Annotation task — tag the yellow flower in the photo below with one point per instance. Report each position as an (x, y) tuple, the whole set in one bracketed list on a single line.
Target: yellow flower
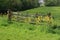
[(38, 19), (27, 19)]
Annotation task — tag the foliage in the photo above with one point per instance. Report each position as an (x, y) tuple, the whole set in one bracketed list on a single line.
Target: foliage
[(18, 4), (52, 2)]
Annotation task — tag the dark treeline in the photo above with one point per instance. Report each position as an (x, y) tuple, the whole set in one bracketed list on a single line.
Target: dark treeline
[(18, 5)]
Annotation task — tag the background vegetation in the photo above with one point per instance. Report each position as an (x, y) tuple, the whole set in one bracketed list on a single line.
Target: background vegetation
[(52, 2), (25, 4), (18, 4)]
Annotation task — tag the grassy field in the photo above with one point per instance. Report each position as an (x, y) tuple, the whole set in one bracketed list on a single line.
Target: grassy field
[(25, 31)]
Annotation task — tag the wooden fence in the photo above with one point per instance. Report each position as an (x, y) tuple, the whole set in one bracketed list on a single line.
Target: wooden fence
[(29, 18)]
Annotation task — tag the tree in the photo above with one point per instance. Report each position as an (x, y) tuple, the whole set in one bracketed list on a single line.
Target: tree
[(51, 2)]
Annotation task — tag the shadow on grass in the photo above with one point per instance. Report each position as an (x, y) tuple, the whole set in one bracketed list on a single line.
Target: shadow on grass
[(55, 29), (8, 39), (6, 24)]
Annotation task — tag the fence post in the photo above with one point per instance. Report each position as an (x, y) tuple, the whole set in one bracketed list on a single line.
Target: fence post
[(9, 15)]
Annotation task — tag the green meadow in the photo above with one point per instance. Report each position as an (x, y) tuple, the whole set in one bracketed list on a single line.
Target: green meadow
[(26, 31)]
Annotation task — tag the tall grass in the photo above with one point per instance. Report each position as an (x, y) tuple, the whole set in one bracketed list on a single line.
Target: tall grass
[(25, 31)]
